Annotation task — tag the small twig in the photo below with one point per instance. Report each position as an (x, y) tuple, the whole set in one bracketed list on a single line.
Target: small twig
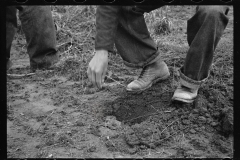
[(167, 137), (20, 75), (26, 75), (115, 81), (155, 109), (45, 120), (168, 126)]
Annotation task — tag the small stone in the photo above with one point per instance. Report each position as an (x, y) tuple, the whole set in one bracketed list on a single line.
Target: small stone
[(192, 131), (214, 124), (79, 123), (202, 128), (204, 109), (185, 122), (209, 120), (152, 145), (92, 149), (202, 119), (195, 111), (216, 114), (146, 133), (207, 115), (132, 150)]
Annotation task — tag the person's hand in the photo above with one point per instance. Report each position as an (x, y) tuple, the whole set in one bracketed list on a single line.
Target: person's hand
[(97, 68)]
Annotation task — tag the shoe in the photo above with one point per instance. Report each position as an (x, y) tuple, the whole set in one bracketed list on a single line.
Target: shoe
[(47, 64), (150, 74), (185, 94)]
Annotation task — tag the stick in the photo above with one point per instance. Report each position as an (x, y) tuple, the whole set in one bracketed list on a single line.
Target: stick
[(25, 75), (141, 117), (168, 126), (20, 75), (115, 81)]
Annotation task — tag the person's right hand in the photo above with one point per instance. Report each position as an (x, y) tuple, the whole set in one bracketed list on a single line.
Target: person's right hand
[(97, 68)]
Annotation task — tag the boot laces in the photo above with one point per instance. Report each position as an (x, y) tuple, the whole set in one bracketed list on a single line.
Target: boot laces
[(144, 74)]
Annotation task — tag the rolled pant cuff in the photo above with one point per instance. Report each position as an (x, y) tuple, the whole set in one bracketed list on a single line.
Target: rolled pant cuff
[(188, 82), (150, 60)]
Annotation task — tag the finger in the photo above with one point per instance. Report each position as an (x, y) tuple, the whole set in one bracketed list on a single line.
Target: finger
[(89, 73), (103, 75), (99, 80), (94, 79)]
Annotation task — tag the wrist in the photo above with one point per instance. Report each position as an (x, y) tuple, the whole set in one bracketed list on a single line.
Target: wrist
[(101, 52)]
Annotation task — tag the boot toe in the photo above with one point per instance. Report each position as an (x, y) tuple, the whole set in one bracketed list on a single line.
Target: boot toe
[(184, 96), (133, 86)]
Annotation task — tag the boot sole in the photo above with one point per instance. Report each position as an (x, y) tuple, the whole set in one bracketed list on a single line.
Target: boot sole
[(150, 85), (183, 100)]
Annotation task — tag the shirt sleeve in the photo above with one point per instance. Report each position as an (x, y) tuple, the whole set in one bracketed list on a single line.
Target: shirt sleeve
[(107, 18)]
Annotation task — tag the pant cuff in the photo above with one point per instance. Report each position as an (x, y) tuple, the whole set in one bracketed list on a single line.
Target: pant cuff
[(188, 82), (150, 60)]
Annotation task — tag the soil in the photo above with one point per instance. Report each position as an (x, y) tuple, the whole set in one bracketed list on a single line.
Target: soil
[(58, 114)]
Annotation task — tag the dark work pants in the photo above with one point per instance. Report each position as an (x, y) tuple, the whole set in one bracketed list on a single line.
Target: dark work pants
[(204, 31), (38, 27)]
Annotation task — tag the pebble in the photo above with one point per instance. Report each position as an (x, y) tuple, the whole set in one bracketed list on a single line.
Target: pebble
[(142, 146), (185, 121), (204, 109), (92, 149), (192, 131), (195, 111), (207, 115), (209, 120), (197, 129), (79, 123), (202, 119), (132, 150), (214, 124)]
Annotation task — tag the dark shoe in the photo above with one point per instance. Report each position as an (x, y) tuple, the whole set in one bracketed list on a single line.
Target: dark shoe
[(46, 64), (150, 74)]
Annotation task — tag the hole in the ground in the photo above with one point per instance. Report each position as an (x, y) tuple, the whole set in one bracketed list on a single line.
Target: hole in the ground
[(134, 111)]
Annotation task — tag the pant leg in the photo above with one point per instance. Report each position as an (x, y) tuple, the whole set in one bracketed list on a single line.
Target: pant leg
[(204, 31), (38, 27), (133, 41), (11, 25)]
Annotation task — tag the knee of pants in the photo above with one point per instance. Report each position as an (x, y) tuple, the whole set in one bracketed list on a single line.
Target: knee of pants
[(213, 10)]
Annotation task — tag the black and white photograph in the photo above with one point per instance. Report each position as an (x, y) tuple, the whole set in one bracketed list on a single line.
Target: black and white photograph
[(119, 81)]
